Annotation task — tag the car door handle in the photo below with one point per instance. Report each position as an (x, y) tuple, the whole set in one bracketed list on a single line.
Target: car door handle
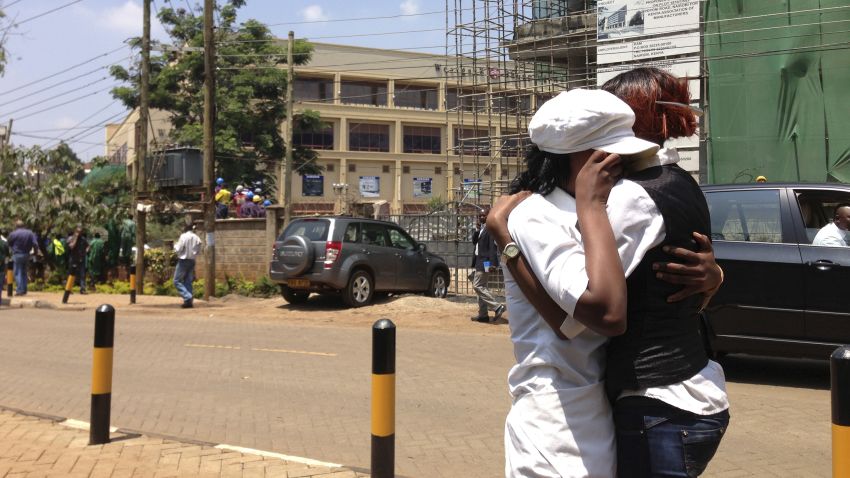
[(822, 264), (365, 251)]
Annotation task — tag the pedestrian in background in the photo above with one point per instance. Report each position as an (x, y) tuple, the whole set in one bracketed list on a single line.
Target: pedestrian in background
[(187, 249), (22, 243), (96, 259), (222, 200), (485, 260), (4, 256), (78, 247)]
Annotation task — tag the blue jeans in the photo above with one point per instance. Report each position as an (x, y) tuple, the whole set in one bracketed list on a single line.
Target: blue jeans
[(79, 271), (184, 275), (658, 440), (21, 262)]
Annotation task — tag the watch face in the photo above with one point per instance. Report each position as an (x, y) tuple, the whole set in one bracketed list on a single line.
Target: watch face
[(511, 251)]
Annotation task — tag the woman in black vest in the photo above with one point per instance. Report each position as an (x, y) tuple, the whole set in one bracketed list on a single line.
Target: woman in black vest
[(670, 404)]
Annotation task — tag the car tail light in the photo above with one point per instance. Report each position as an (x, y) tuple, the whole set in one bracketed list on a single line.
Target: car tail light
[(332, 250)]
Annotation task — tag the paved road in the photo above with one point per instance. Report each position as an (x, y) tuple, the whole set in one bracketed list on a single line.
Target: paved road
[(304, 390)]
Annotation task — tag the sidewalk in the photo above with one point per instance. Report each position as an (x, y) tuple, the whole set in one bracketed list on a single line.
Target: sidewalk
[(32, 446)]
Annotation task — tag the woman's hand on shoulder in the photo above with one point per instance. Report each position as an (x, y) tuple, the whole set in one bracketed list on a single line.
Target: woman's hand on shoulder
[(497, 220)]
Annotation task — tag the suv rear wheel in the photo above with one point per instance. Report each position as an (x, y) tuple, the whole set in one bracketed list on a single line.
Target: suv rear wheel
[(294, 297), (439, 285), (359, 290)]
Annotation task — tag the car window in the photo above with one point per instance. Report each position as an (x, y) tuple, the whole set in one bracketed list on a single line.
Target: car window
[(373, 234), (351, 232), (818, 210), (399, 239), (313, 229), (750, 216)]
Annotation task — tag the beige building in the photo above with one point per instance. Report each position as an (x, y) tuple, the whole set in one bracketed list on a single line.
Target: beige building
[(391, 133)]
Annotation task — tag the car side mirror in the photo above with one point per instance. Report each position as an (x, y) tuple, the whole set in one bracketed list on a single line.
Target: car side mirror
[(421, 247)]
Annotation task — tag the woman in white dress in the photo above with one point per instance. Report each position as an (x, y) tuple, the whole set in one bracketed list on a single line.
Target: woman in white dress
[(561, 424)]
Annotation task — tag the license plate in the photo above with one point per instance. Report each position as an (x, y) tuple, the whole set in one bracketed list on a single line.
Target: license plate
[(298, 283)]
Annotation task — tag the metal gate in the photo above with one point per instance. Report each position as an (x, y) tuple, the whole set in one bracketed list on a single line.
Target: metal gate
[(449, 235)]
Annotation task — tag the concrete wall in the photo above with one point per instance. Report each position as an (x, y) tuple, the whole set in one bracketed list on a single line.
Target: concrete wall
[(240, 249)]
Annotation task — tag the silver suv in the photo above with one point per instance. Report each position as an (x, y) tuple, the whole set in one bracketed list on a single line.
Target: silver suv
[(354, 257)]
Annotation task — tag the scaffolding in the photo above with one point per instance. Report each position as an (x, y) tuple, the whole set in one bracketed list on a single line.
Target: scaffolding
[(509, 57)]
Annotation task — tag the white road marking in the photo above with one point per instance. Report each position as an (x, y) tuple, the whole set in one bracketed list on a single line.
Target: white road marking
[(81, 425), (281, 456), (302, 352)]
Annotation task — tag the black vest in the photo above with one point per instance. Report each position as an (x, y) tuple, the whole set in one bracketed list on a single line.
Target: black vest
[(662, 343)]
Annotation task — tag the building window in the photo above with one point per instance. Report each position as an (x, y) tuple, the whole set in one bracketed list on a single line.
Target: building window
[(368, 137), (457, 170), (511, 103), (505, 173), (330, 168), (352, 168), (438, 170), (364, 93), (422, 139), (472, 142), (385, 169), (420, 97), (486, 171), (405, 169), (466, 100), (322, 138), (313, 89), (512, 145)]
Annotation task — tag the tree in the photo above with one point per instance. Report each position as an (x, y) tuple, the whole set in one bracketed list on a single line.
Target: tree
[(250, 90), (44, 190), (5, 28)]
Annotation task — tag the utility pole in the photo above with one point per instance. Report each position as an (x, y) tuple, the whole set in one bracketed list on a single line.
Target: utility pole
[(209, 150), (142, 149), (286, 184)]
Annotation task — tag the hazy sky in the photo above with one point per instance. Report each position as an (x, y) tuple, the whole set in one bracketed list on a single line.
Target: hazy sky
[(94, 31)]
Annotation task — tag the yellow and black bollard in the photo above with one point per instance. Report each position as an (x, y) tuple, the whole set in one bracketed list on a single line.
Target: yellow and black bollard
[(101, 374), (10, 278), (69, 286), (383, 399), (132, 284), (839, 371)]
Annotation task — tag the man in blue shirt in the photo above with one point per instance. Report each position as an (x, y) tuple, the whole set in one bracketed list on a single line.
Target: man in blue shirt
[(21, 242)]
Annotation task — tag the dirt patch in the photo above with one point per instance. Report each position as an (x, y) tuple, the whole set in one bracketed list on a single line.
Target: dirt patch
[(408, 310)]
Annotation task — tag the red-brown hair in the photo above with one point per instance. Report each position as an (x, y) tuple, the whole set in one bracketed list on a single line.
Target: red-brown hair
[(640, 89)]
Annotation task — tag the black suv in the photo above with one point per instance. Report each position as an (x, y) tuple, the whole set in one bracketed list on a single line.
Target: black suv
[(355, 257), (782, 295)]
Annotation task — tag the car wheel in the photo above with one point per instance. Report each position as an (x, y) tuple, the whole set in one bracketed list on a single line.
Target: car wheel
[(294, 297), (359, 290), (439, 285)]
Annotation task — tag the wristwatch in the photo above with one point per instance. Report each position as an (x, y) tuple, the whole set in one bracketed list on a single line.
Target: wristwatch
[(511, 251)]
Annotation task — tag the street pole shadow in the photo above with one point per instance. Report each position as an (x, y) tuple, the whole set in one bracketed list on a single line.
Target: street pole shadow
[(783, 372)]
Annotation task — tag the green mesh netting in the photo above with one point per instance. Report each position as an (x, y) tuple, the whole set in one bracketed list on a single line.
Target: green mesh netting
[(778, 73)]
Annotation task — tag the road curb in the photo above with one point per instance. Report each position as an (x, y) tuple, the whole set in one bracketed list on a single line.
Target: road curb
[(81, 425)]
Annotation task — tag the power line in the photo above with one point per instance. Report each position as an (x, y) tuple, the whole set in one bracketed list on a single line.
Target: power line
[(47, 12), (62, 71), (90, 117), (56, 85), (63, 104), (356, 19), (75, 90)]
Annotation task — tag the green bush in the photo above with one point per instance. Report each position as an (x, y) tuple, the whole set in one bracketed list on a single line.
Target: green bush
[(262, 287), (159, 264)]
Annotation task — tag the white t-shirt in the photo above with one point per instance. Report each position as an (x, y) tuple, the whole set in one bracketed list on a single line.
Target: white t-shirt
[(831, 235)]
